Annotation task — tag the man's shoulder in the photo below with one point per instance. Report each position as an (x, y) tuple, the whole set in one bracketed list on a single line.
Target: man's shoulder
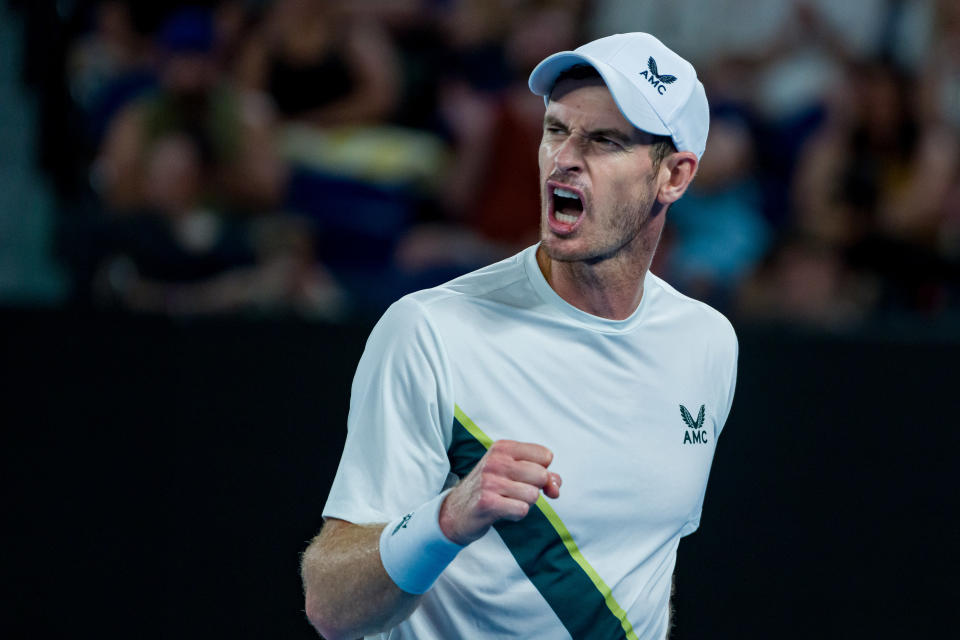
[(673, 305), (454, 312), (501, 281)]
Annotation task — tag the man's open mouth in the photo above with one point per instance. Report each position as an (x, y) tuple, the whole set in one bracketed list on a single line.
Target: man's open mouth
[(567, 208)]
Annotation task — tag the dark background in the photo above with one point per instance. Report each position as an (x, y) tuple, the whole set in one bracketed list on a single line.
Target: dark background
[(161, 477)]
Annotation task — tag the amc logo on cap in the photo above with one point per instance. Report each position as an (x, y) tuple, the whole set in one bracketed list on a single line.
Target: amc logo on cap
[(658, 81)]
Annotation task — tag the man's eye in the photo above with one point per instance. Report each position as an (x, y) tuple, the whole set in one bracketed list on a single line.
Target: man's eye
[(554, 130), (607, 142)]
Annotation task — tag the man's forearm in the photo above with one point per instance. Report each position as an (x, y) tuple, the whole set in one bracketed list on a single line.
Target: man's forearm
[(348, 592)]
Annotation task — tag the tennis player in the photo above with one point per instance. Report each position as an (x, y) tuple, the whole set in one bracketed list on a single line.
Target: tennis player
[(528, 443)]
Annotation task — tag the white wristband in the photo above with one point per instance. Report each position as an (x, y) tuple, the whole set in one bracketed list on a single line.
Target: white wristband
[(414, 550)]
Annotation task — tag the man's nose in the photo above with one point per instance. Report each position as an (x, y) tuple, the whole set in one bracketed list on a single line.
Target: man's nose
[(569, 156)]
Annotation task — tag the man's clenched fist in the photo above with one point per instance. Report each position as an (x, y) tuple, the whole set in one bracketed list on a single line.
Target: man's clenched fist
[(503, 485)]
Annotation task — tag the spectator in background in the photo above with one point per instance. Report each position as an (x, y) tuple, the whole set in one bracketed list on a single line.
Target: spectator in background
[(234, 128), (108, 67), (334, 76), (191, 175), (496, 127), (320, 65), (872, 182), (234, 23), (941, 104), (498, 145), (180, 256), (716, 235), (358, 179)]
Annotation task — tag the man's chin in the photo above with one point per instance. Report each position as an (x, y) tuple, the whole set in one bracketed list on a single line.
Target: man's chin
[(577, 249), (564, 249)]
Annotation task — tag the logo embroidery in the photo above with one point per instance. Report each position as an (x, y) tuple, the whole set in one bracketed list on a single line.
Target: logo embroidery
[(698, 435), (403, 524), (658, 81)]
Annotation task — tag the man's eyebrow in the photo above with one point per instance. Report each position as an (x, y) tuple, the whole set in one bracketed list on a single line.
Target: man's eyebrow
[(614, 134), (552, 121)]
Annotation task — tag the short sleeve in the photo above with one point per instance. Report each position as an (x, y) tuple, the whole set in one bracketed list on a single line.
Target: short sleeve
[(401, 409)]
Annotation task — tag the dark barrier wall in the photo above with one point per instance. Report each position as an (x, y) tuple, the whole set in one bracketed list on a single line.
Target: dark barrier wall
[(160, 479)]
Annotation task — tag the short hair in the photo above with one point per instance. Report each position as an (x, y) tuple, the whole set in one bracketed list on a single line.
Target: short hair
[(660, 147)]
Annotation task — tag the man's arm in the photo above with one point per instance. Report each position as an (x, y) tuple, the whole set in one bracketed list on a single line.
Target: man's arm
[(349, 593)]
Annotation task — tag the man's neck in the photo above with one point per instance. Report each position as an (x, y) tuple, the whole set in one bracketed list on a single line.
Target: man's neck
[(609, 289)]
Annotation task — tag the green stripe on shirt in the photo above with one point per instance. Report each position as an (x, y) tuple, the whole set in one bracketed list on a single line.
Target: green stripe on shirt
[(547, 553)]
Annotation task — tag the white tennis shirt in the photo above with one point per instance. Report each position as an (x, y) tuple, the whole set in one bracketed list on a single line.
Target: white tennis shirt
[(631, 410)]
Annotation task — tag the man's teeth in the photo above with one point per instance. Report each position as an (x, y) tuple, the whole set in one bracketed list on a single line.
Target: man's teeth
[(567, 195)]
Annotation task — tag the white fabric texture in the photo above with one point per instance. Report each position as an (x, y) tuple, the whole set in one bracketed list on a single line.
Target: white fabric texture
[(605, 396)]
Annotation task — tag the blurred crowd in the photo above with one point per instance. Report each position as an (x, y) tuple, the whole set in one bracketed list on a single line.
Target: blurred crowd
[(325, 157)]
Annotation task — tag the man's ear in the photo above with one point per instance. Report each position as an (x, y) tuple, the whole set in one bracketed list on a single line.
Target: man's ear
[(676, 174)]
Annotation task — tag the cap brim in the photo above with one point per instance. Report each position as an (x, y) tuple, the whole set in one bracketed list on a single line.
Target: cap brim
[(631, 102)]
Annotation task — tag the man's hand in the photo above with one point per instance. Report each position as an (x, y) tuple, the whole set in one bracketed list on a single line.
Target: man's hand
[(502, 486)]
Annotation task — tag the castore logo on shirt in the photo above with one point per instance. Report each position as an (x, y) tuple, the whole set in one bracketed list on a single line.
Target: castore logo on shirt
[(695, 433)]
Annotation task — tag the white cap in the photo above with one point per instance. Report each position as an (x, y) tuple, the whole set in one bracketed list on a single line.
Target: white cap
[(655, 89)]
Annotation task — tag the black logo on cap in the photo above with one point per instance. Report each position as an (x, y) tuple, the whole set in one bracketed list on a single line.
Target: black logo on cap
[(658, 81)]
